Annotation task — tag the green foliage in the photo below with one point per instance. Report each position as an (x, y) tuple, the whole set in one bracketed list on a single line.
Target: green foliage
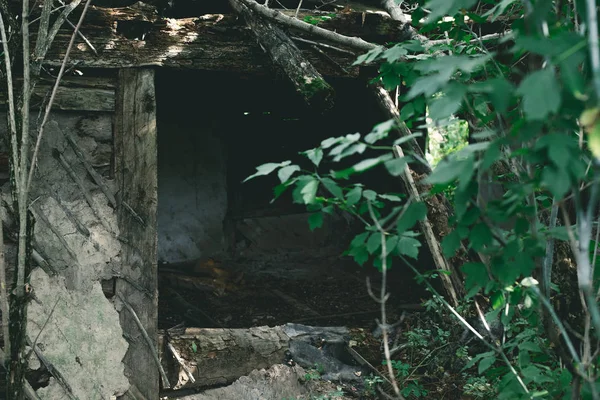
[(535, 123), (316, 19)]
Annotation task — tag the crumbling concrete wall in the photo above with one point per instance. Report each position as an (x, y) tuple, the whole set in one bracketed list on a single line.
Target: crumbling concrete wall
[(77, 236)]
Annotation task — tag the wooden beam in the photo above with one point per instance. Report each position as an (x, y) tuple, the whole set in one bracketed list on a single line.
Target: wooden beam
[(308, 82), (75, 94), (135, 37), (136, 176)]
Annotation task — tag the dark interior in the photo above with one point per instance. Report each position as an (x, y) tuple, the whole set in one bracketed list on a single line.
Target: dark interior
[(214, 129)]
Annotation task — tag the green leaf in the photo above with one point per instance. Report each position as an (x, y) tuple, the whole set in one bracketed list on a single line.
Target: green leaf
[(541, 94), (333, 187), (370, 56), (390, 244), (448, 103), (497, 300), (285, 173), (380, 131), (414, 212), (407, 111), (476, 276), (450, 244), (390, 197), (448, 171), (478, 358), (395, 53), (480, 236), (396, 167), (498, 90), (535, 374), (369, 195), (359, 254), (362, 166), (374, 242), (530, 346), (266, 169), (359, 240), (315, 155), (556, 180), (315, 221), (498, 9), (441, 8), (353, 196), (194, 347), (486, 363), (306, 190), (409, 247)]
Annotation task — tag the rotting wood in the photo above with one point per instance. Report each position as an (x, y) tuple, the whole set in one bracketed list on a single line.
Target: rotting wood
[(220, 356), (307, 81), (181, 362), (136, 176), (221, 44), (71, 98)]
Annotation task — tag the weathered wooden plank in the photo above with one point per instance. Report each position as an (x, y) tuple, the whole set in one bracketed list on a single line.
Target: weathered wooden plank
[(136, 175), (131, 37), (74, 94)]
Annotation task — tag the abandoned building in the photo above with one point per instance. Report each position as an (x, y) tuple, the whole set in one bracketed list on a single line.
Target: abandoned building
[(139, 202)]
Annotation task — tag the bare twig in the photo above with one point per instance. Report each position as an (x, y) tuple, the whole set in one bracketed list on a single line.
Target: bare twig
[(324, 45), (53, 371), (163, 375), (4, 306), (90, 169), (37, 337), (12, 124), (55, 88), (275, 15), (181, 362), (548, 259), (594, 44), (383, 296), (23, 193), (298, 8), (82, 36)]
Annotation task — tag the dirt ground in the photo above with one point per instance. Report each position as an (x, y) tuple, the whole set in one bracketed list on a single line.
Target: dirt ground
[(337, 296)]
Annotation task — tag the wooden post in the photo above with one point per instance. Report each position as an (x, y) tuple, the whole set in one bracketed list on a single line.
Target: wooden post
[(136, 176)]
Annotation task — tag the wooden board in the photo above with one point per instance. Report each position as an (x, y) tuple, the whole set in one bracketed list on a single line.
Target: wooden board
[(135, 37), (136, 175), (73, 94)]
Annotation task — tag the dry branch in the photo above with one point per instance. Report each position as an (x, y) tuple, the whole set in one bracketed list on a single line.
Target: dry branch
[(163, 375), (274, 15), (90, 169), (4, 307)]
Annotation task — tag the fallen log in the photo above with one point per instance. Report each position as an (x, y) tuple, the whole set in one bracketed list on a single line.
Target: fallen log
[(220, 356), (307, 81)]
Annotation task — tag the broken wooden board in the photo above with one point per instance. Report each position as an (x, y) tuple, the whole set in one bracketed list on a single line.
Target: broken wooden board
[(135, 36), (220, 356), (74, 94)]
